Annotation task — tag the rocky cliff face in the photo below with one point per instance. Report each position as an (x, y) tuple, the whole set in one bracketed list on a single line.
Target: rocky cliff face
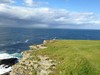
[(34, 65)]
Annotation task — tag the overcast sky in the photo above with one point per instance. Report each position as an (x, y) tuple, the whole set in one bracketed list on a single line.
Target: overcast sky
[(75, 14)]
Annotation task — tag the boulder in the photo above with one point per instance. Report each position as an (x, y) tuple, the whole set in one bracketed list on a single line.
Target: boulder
[(9, 61)]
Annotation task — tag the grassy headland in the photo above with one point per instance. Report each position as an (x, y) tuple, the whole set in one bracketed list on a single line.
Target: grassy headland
[(73, 57)]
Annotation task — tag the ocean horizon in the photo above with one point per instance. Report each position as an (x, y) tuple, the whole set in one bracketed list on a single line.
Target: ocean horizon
[(16, 40), (13, 41)]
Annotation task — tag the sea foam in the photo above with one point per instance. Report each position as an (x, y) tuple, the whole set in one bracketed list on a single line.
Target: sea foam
[(4, 69)]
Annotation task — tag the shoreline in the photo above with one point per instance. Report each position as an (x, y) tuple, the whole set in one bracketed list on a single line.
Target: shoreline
[(45, 62), (60, 57)]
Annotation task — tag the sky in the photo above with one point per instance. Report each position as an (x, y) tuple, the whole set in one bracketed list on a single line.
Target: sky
[(68, 14)]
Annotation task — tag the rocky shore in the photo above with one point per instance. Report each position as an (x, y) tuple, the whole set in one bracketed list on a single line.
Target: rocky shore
[(35, 65), (6, 63), (60, 57)]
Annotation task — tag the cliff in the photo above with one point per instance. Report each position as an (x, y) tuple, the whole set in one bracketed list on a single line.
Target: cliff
[(60, 57), (34, 64)]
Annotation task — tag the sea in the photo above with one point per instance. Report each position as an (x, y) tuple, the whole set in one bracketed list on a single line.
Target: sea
[(13, 41), (16, 40)]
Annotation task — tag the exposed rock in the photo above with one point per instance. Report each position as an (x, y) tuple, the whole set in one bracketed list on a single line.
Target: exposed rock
[(43, 65), (6, 65), (9, 61), (48, 41), (37, 47)]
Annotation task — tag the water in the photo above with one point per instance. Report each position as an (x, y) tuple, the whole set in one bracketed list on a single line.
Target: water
[(15, 40), (4, 67)]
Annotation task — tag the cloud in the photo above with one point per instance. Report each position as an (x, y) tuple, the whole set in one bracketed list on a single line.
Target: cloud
[(18, 16), (34, 3), (29, 2), (6, 1)]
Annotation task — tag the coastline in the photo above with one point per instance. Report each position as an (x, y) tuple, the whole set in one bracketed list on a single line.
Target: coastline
[(60, 57), (39, 64)]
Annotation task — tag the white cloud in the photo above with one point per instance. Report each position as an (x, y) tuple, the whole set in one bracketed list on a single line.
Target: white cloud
[(29, 2), (34, 3), (19, 16), (6, 1)]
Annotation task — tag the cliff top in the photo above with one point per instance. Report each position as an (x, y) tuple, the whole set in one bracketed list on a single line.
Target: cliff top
[(67, 57)]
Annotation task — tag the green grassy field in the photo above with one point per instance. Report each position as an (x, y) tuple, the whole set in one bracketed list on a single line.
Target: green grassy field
[(74, 57)]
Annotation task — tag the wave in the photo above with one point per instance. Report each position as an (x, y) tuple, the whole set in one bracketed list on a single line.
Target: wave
[(20, 42), (11, 44), (5, 56), (16, 43), (2, 44), (17, 55), (5, 68), (26, 41)]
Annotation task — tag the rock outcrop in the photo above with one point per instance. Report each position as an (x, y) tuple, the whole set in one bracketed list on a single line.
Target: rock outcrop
[(44, 66), (6, 65), (9, 61), (40, 65)]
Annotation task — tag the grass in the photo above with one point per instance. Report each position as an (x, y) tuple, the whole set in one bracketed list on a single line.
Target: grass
[(74, 57)]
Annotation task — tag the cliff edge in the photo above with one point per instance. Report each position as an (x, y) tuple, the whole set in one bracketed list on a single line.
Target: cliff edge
[(34, 64), (60, 57)]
